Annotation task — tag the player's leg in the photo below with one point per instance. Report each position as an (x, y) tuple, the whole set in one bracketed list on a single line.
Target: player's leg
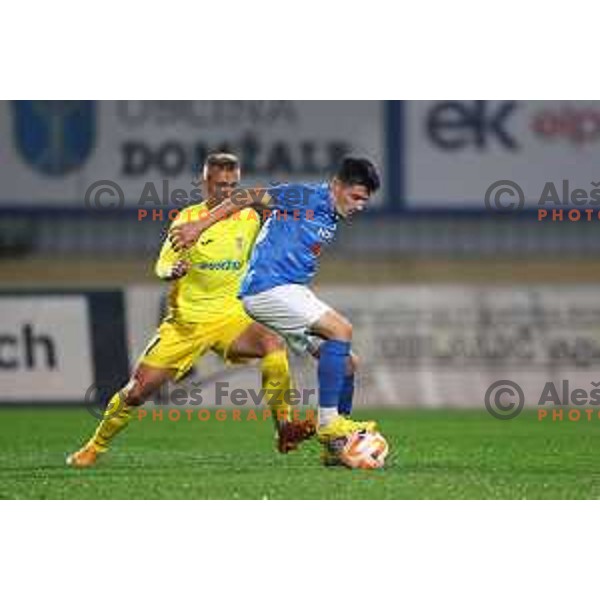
[(295, 312), (347, 396), (170, 353), (337, 365), (258, 342), (144, 382), (334, 355), (330, 455)]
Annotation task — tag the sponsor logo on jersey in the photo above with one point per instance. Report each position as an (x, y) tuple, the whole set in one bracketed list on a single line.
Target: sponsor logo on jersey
[(327, 233), (222, 265)]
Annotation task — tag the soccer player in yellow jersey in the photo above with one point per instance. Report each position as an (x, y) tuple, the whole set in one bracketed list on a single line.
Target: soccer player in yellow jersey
[(205, 314)]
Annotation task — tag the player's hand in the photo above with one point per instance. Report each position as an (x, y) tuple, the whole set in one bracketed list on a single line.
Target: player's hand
[(179, 269), (185, 235)]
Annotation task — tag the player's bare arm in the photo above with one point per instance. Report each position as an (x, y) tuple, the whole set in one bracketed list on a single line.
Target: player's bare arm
[(185, 235), (170, 265), (177, 271)]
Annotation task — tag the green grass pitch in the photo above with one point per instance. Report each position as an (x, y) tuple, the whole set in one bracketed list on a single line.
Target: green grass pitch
[(434, 454)]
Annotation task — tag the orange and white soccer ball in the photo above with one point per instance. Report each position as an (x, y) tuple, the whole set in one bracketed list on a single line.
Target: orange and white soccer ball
[(365, 450)]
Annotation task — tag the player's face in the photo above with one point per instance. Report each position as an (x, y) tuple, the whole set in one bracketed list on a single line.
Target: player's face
[(220, 182), (349, 198)]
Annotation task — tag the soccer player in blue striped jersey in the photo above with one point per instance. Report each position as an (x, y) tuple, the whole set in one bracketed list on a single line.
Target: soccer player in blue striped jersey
[(284, 260)]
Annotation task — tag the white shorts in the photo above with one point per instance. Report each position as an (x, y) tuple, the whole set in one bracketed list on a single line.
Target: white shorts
[(290, 310)]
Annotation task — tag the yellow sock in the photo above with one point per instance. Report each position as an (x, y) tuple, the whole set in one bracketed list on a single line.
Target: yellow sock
[(116, 417), (276, 379)]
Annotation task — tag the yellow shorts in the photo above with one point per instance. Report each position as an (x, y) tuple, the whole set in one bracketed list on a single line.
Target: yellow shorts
[(178, 345)]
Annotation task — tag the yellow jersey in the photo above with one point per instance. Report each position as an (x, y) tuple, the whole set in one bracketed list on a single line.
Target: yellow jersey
[(218, 263)]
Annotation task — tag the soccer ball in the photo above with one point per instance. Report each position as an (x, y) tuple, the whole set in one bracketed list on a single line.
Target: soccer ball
[(364, 450)]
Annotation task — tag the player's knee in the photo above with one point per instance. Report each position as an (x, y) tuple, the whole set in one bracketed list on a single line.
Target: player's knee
[(343, 330), (353, 364), (270, 344), (134, 393)]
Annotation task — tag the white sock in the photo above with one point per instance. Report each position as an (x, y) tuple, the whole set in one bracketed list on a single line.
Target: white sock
[(326, 415)]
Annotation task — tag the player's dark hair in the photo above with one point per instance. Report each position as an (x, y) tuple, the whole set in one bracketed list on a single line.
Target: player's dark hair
[(359, 171), (223, 160)]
